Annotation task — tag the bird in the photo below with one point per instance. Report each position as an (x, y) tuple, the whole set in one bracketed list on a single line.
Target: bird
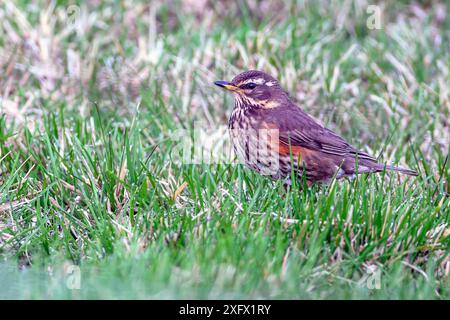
[(273, 136)]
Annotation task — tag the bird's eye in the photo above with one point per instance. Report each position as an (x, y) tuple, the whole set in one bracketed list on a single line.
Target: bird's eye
[(250, 85)]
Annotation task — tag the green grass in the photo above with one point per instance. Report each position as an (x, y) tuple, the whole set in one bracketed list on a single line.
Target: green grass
[(88, 175)]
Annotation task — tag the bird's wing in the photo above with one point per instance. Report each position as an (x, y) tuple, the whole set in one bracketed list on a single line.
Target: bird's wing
[(296, 128)]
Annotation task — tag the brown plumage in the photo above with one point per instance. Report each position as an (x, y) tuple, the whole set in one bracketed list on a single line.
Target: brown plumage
[(269, 133)]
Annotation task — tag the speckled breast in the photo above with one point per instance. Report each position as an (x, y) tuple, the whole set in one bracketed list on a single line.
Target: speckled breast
[(254, 144)]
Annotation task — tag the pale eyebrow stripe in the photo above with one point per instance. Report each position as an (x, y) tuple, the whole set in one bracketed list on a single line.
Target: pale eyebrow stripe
[(254, 80)]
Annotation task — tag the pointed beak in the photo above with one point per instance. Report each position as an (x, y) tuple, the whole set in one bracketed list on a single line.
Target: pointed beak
[(226, 85)]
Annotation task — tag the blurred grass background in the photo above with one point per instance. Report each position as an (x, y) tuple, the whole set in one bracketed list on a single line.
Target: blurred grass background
[(91, 92)]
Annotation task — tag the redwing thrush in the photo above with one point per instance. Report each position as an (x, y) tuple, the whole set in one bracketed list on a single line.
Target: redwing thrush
[(269, 133)]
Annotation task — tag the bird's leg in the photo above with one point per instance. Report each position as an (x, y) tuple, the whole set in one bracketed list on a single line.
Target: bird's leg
[(288, 186)]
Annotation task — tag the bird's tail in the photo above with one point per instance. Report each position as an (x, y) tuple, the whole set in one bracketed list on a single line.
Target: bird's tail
[(399, 169), (370, 165)]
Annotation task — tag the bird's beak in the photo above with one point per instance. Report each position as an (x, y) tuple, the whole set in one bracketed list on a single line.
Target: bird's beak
[(225, 85)]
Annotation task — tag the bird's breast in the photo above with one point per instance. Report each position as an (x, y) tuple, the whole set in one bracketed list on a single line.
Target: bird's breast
[(253, 143)]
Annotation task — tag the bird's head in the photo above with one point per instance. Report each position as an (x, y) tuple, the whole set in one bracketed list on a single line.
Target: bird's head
[(255, 89)]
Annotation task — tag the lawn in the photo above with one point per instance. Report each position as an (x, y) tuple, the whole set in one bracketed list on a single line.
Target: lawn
[(96, 202)]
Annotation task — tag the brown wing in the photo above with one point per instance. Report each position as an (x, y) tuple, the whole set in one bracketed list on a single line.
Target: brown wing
[(321, 149), (298, 129)]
